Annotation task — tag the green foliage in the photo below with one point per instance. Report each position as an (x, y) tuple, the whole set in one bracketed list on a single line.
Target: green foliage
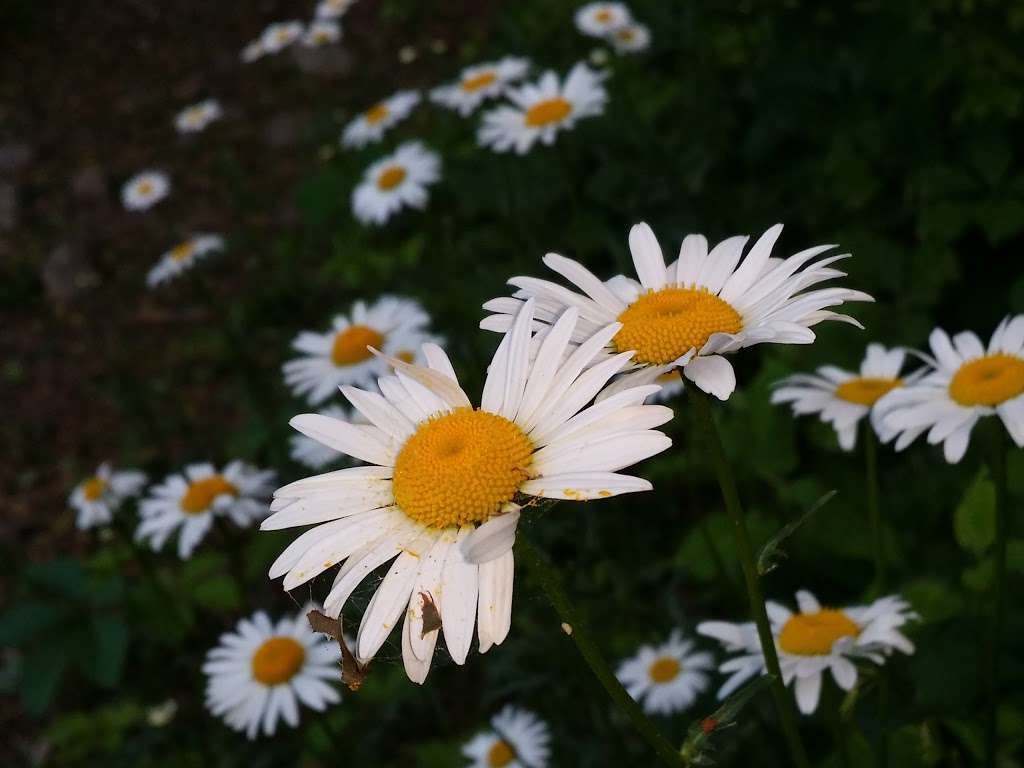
[(974, 521)]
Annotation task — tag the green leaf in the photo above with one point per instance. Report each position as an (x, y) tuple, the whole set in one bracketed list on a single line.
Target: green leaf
[(933, 599), (26, 620), (41, 671), (217, 594), (110, 644), (974, 522)]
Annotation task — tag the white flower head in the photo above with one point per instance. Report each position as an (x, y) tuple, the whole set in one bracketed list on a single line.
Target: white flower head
[(601, 19), (478, 83), (183, 257), (666, 678), (252, 51), (333, 9), (632, 38), (145, 190), (517, 739), (320, 33), (371, 125), (195, 118), (279, 35), (394, 182), (97, 498)]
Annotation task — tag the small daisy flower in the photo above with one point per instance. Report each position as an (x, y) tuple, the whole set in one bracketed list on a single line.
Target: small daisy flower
[(601, 19), (478, 83), (145, 190), (252, 52), (697, 309), (182, 257), (371, 125), (441, 493), (260, 673), (97, 498), (278, 36), (321, 33), (189, 502), (812, 641), (195, 118), (632, 38), (333, 9), (395, 182), (517, 739), (668, 678), (968, 383)]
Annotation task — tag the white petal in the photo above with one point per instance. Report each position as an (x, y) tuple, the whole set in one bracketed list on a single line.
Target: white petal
[(647, 257), (344, 437), (492, 539), (459, 585), (713, 374)]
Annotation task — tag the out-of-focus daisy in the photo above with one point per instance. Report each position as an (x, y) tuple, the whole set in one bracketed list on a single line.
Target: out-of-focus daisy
[(195, 118), (261, 672), (252, 52), (968, 383), (333, 9), (697, 309), (517, 739), (480, 82), (441, 495), (279, 35), (182, 257), (97, 498), (370, 126), (314, 454), (667, 678), (813, 640), (395, 182), (601, 19), (144, 190), (189, 501), (393, 325), (631, 38), (321, 33)]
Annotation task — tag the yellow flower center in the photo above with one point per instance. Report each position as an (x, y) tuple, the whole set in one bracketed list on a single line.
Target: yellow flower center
[(665, 669), (93, 488), (283, 35), (475, 83), (603, 16), (460, 468), (626, 35), (194, 115), (867, 390), (813, 634), (278, 660), (391, 177), (145, 188), (548, 111), (350, 345), (500, 754), (666, 324), (376, 113), (201, 493), (182, 251), (989, 380)]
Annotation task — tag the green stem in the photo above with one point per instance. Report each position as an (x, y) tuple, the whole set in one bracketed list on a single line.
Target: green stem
[(874, 508), (551, 582), (839, 732), (727, 484), (999, 594)]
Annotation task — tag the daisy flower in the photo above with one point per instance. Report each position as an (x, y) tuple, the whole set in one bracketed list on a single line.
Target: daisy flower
[(480, 82), (321, 33), (195, 118), (813, 640), (968, 383), (440, 495), (668, 677), (189, 501), (540, 110), (370, 126), (631, 38), (333, 9), (697, 309), (260, 673), (278, 36), (395, 182), (517, 739), (97, 498), (393, 325), (182, 257), (601, 19), (145, 190), (252, 52)]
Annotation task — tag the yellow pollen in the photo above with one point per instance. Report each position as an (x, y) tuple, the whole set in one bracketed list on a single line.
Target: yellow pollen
[(376, 113), (813, 634), (460, 468), (666, 324), (603, 16), (182, 251), (350, 345), (665, 669), (989, 380), (93, 488), (391, 177), (201, 493), (867, 390), (278, 660), (626, 35), (145, 188), (406, 356), (548, 111), (500, 754), (475, 83)]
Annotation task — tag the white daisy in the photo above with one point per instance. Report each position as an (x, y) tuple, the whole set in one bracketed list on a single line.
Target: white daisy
[(279, 35), (601, 19), (195, 118), (395, 182), (668, 678), (813, 640), (439, 468), (252, 52), (182, 257), (97, 498), (540, 110), (321, 33), (189, 501), (631, 38), (697, 309), (967, 384), (145, 190), (517, 739), (393, 325), (370, 126), (333, 9), (480, 82), (260, 673)]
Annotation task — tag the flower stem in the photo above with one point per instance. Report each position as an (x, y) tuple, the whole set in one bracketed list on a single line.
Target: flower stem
[(727, 484), (544, 571), (874, 509), (998, 467)]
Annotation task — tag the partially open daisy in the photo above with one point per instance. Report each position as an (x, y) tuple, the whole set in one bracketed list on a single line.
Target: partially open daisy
[(333, 9), (188, 502), (631, 38), (321, 32), (145, 190), (371, 125), (259, 673), (397, 181), (441, 495), (195, 118), (968, 383), (601, 19), (697, 309), (666, 678), (540, 110), (183, 257), (478, 83), (279, 35), (813, 640), (517, 739), (97, 498)]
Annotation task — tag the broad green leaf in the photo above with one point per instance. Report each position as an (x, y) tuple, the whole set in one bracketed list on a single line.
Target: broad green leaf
[(974, 522)]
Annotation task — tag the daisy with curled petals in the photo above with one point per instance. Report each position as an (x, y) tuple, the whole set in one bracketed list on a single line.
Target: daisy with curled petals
[(279, 35), (441, 493), (601, 19), (321, 33), (393, 325), (814, 640), (667, 678), (188, 502), (260, 672), (540, 110), (517, 739), (694, 311), (632, 38), (395, 182), (145, 190), (97, 498), (968, 382), (371, 125), (478, 83), (182, 257), (333, 9), (195, 118)]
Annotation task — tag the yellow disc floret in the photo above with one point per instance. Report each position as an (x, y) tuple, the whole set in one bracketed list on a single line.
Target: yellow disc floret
[(93, 488), (548, 111), (376, 113), (201, 493), (475, 83), (665, 669), (813, 634), (278, 660), (391, 177), (500, 754), (182, 251), (866, 390), (989, 380), (350, 345)]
